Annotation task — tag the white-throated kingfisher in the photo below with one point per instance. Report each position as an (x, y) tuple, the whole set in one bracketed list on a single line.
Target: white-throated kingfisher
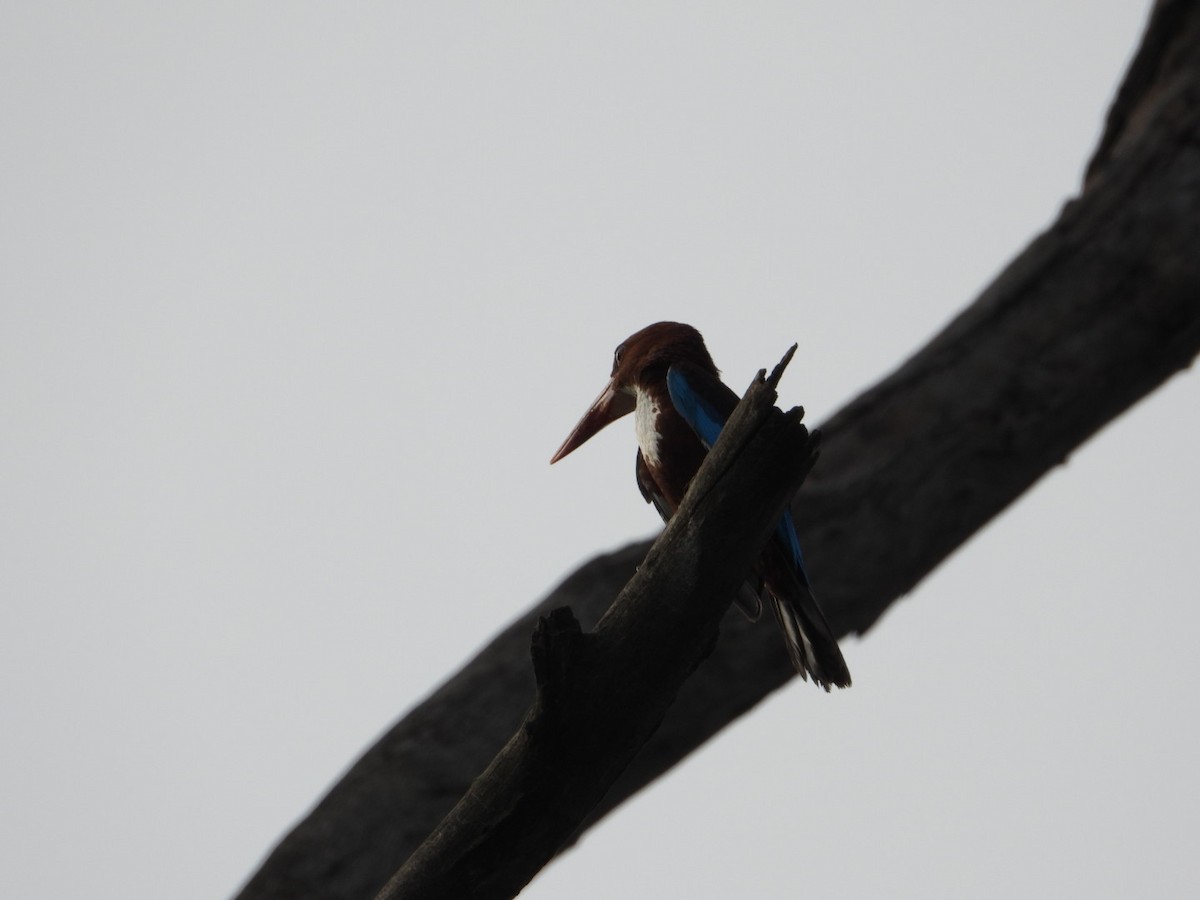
[(664, 375)]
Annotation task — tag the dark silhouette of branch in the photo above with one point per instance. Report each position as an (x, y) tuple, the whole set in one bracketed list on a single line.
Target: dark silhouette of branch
[(1096, 313), (601, 695)]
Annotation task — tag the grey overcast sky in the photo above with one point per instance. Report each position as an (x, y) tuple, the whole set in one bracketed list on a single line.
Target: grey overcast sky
[(297, 301)]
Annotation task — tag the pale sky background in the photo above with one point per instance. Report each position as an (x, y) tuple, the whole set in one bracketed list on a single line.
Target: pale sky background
[(297, 301)]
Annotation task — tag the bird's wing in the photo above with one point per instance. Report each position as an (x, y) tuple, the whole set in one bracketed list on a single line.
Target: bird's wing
[(703, 400), (786, 531), (706, 403)]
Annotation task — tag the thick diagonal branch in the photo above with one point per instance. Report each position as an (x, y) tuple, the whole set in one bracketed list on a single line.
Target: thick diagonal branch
[(1095, 314)]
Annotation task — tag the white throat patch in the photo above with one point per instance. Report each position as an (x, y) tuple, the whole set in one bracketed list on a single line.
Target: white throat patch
[(645, 418)]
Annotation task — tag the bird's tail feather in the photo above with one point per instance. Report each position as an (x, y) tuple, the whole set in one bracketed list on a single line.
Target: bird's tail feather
[(810, 643)]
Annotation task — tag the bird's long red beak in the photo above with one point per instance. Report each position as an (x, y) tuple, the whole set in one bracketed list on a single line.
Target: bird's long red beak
[(608, 407)]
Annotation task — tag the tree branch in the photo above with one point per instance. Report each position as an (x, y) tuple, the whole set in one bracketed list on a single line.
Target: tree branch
[(1093, 315), (600, 696)]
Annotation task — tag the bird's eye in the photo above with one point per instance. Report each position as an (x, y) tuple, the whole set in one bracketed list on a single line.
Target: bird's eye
[(617, 356)]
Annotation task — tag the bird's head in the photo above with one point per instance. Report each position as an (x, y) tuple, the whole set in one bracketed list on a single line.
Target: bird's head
[(640, 361)]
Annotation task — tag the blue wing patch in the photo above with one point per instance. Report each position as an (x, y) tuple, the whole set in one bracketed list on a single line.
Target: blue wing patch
[(706, 420), (786, 530)]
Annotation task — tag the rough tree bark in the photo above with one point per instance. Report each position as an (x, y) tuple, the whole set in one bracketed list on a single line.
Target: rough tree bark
[(1096, 313), (600, 695)]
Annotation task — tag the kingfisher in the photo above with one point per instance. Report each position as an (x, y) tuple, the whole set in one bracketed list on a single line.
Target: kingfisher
[(665, 376)]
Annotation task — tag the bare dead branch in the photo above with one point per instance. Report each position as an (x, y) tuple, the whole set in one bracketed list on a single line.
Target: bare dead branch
[(1095, 314), (601, 695)]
